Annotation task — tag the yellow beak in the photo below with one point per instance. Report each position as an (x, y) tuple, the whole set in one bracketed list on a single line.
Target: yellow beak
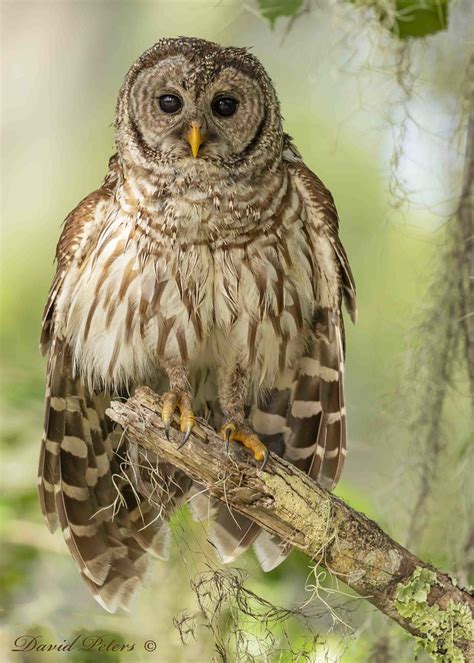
[(195, 138)]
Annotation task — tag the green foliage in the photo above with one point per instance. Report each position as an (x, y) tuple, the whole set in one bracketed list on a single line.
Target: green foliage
[(405, 18), (410, 18), (272, 9), (440, 628), (17, 567), (419, 18)]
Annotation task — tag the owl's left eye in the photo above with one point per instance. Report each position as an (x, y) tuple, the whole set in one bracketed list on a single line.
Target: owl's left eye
[(224, 106), (170, 103)]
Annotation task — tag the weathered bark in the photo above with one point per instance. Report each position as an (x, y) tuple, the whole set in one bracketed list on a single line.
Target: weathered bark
[(287, 503)]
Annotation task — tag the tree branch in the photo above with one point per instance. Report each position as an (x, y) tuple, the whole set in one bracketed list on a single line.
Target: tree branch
[(287, 503)]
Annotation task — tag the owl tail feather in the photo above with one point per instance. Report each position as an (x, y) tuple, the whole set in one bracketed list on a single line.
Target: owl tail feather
[(79, 482), (231, 533), (270, 551)]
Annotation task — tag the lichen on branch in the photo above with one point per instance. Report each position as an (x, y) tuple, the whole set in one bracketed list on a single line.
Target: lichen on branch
[(440, 628)]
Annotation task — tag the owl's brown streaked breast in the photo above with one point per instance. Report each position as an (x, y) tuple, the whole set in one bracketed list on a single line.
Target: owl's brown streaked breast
[(248, 299)]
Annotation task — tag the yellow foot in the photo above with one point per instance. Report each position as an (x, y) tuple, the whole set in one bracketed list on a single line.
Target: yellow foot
[(182, 401), (246, 436)]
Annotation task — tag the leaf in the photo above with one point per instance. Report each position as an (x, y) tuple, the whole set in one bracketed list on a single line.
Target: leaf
[(272, 9), (418, 18), (411, 18)]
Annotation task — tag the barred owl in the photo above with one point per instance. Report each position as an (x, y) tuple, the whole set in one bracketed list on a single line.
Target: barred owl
[(207, 266)]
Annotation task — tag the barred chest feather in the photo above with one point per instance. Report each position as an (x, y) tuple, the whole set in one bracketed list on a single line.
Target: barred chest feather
[(193, 280)]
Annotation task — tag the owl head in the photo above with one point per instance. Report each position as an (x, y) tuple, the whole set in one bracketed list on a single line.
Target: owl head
[(188, 102)]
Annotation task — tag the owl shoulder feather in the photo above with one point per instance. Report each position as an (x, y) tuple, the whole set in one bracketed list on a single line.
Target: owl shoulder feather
[(323, 218), (71, 245)]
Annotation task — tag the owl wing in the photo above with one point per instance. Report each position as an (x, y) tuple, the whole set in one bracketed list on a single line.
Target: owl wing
[(80, 230), (307, 409), (317, 418), (305, 413), (84, 477)]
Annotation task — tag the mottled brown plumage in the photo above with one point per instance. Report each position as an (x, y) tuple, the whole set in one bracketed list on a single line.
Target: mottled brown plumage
[(219, 278)]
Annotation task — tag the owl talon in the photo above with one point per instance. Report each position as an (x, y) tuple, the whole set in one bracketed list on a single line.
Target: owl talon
[(186, 436), (230, 432), (181, 401)]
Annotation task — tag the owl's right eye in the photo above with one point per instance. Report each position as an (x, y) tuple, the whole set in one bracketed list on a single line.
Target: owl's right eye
[(170, 103)]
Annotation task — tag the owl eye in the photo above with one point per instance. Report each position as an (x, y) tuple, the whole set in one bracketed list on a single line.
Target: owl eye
[(224, 106), (170, 103)]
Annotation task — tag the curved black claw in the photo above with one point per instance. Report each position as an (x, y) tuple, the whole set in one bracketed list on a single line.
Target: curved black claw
[(228, 433), (265, 460), (167, 431), (186, 437)]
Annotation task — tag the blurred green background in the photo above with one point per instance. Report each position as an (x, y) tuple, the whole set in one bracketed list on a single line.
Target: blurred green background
[(381, 122)]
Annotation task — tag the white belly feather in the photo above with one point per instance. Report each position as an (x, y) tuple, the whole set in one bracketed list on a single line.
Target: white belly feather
[(125, 315)]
